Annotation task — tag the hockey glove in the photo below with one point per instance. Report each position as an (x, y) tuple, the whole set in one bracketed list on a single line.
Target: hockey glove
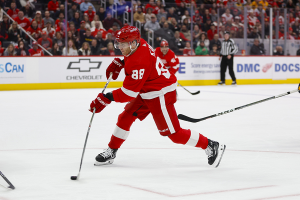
[(115, 67), (99, 103)]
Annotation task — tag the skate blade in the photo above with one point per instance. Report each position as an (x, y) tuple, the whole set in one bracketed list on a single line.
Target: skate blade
[(221, 151), (103, 163)]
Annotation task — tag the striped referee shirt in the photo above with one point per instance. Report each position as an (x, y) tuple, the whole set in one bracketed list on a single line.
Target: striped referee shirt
[(228, 47)]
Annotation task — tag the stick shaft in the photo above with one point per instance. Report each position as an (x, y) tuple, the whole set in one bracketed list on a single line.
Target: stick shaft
[(7, 181), (188, 90), (88, 131), (183, 117)]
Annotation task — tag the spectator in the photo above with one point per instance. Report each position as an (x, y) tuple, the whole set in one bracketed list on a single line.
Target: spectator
[(240, 33), (187, 51), (197, 18), (227, 16), (211, 32), (298, 52), (13, 11), (101, 44), (152, 25), (214, 51), (73, 30), (5, 25), (206, 16), (196, 33), (254, 33), (203, 37), (296, 27), (161, 13), (181, 9), (45, 41), (186, 15), (55, 51), (165, 33), (101, 13), (174, 26), (179, 42), (1, 49), (98, 28), (289, 35), (114, 30), (61, 29), (206, 26), (96, 20), (186, 23), (255, 3), (76, 20), (214, 15), (252, 19), (22, 50), (87, 21), (59, 40), (162, 21), (109, 21), (3, 35), (53, 6), (201, 49), (90, 13), (14, 33), (171, 14), (148, 15), (139, 15), (257, 48), (85, 50), (35, 51), (237, 24), (10, 50), (278, 51), (95, 51), (28, 3), (152, 5), (264, 3), (22, 21), (111, 51), (72, 11), (47, 19), (49, 30), (60, 10), (185, 32), (70, 36), (87, 37), (39, 20), (215, 41), (61, 19), (84, 6), (70, 50)]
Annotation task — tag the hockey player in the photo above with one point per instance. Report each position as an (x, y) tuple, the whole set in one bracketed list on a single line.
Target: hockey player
[(148, 88), (167, 56)]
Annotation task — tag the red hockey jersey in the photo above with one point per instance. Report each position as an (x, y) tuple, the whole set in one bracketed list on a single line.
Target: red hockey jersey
[(145, 75), (170, 60), (38, 52)]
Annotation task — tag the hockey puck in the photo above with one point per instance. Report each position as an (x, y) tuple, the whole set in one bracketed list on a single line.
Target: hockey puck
[(73, 177)]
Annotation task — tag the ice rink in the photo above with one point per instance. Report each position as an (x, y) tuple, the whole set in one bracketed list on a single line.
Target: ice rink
[(43, 132)]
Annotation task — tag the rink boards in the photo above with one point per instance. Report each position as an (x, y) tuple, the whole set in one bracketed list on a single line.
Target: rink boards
[(25, 73)]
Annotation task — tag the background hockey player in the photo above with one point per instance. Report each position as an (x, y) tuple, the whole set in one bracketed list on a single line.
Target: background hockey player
[(148, 88), (167, 56)]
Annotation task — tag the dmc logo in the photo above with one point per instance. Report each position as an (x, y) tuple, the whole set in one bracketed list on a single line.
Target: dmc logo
[(267, 67), (248, 68), (287, 67), (181, 68), (11, 68), (84, 65)]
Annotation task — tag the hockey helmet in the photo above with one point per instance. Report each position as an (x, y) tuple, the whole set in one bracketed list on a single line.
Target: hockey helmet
[(127, 34), (164, 43)]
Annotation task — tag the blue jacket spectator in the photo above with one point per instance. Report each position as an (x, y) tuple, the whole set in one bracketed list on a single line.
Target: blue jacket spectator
[(84, 6)]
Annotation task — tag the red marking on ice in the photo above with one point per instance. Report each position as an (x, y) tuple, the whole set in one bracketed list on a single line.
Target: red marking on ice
[(291, 195), (200, 193)]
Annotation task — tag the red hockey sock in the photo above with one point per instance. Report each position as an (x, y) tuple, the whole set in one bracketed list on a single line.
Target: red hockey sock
[(188, 137), (115, 142)]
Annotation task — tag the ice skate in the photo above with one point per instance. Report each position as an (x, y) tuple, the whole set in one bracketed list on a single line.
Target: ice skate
[(214, 152), (106, 157), (221, 83), (233, 83)]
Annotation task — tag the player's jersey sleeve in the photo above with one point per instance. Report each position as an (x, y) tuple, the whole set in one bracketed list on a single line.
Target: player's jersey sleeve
[(173, 63)]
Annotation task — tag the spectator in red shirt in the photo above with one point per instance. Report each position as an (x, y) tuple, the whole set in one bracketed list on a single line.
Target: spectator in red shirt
[(97, 28), (49, 30), (152, 5), (53, 6), (13, 11), (45, 41), (211, 32), (90, 13), (35, 51), (114, 30), (187, 51), (22, 21), (34, 31)]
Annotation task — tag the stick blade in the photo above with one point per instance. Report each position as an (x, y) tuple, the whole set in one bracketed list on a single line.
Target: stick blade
[(73, 178), (186, 118), (195, 93)]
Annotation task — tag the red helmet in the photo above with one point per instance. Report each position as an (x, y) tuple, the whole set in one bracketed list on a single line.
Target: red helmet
[(164, 43), (128, 34)]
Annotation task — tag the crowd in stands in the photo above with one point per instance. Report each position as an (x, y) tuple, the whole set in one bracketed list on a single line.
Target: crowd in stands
[(91, 29)]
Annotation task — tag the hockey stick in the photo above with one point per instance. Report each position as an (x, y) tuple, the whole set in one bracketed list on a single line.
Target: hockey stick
[(88, 131), (7, 181), (189, 91), (189, 119)]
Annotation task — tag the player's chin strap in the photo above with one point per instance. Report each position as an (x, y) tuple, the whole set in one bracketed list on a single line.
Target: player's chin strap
[(132, 50)]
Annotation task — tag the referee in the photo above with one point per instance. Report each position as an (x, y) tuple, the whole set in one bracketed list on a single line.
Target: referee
[(228, 49)]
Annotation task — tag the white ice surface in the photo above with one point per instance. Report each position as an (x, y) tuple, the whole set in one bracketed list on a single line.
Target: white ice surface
[(42, 135)]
